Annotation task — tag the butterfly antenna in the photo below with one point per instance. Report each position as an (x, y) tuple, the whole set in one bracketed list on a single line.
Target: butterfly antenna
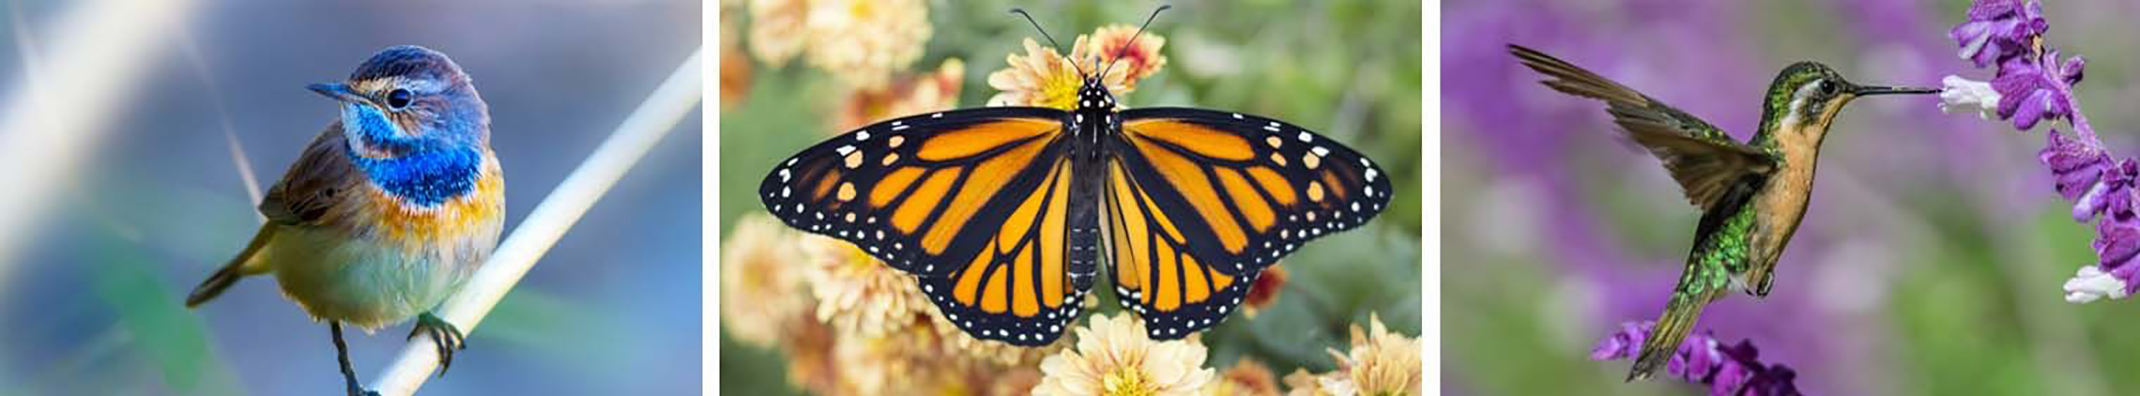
[(1132, 40), (1044, 34)]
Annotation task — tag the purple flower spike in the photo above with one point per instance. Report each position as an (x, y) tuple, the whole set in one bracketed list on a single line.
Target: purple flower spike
[(2075, 167), (1622, 344), (2116, 244), (1701, 359), (1998, 29), (2030, 92), (2072, 69), (2116, 200)]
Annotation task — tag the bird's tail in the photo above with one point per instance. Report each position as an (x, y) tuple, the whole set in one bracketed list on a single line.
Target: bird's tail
[(1671, 329), (246, 263)]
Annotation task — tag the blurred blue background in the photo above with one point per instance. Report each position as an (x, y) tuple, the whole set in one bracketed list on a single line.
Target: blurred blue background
[(1931, 258), (94, 307)]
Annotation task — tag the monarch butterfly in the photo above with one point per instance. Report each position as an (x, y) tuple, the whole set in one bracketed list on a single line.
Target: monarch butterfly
[(1002, 213)]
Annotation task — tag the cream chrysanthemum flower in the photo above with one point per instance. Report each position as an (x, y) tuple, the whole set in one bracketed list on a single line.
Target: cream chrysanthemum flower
[(1045, 78), (760, 286), (1304, 384), (1112, 44), (808, 345), (1114, 358), (922, 93), (777, 29), (1381, 362), (735, 62), (886, 364), (857, 294), (863, 41), (1384, 362), (1245, 378)]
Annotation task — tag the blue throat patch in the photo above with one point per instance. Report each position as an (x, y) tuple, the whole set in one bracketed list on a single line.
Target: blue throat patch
[(425, 177)]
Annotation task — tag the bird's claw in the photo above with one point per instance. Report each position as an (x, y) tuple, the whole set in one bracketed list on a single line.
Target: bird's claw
[(446, 337)]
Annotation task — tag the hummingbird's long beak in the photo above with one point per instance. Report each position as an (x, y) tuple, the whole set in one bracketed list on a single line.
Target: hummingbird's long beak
[(1865, 90), (338, 91)]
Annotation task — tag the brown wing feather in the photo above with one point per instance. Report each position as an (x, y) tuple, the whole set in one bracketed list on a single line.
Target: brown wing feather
[(1703, 159), (313, 183)]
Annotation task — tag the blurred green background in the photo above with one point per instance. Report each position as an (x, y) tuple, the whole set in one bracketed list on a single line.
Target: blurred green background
[(94, 307), (1346, 69), (1931, 259)]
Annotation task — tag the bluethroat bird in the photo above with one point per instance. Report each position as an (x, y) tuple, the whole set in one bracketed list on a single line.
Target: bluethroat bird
[(387, 211), (1752, 195)]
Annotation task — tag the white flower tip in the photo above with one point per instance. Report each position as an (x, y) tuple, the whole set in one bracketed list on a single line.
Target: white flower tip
[(1966, 93), (2091, 283)]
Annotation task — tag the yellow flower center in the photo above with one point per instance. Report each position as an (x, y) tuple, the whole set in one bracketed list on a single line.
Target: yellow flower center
[(1059, 90), (1127, 381), (860, 9)]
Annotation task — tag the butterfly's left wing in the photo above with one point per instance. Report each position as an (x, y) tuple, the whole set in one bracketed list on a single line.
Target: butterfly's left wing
[(972, 202), (1199, 202)]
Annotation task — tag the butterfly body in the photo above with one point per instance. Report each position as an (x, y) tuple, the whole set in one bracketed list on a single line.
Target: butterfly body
[(1004, 215), (1753, 195)]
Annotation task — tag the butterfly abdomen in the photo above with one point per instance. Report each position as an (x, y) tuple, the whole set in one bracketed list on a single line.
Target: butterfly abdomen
[(1084, 223)]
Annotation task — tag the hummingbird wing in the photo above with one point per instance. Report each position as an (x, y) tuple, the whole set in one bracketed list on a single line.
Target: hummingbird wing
[(1703, 159)]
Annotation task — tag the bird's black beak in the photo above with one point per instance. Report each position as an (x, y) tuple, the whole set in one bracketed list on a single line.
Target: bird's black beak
[(337, 91), (1867, 90)]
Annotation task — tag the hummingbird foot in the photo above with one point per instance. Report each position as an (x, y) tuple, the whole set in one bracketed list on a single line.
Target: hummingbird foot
[(349, 373), (444, 336)]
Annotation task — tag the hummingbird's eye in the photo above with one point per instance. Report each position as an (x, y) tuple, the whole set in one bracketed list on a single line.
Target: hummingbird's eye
[(398, 99), (1827, 87)]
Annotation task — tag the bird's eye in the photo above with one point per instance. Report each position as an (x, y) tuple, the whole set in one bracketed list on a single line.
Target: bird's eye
[(398, 99), (1827, 87)]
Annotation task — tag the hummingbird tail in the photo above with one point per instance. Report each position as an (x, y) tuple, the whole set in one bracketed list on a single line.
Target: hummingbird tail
[(238, 267), (1671, 330)]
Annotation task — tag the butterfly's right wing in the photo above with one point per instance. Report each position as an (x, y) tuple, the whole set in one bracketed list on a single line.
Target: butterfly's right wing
[(906, 190), (972, 202)]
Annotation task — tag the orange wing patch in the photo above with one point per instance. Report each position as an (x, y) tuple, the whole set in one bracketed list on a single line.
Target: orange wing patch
[(1199, 139), (987, 178), (1189, 179), (1022, 265), (972, 202), (973, 140), (1154, 274)]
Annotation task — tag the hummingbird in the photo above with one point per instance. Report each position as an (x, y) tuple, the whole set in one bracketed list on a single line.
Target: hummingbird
[(1753, 195)]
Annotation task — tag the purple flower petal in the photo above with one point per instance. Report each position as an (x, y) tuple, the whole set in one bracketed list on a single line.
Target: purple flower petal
[(2028, 93), (1728, 369), (1998, 29), (1623, 344), (2071, 70), (2116, 244), (2075, 168)]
